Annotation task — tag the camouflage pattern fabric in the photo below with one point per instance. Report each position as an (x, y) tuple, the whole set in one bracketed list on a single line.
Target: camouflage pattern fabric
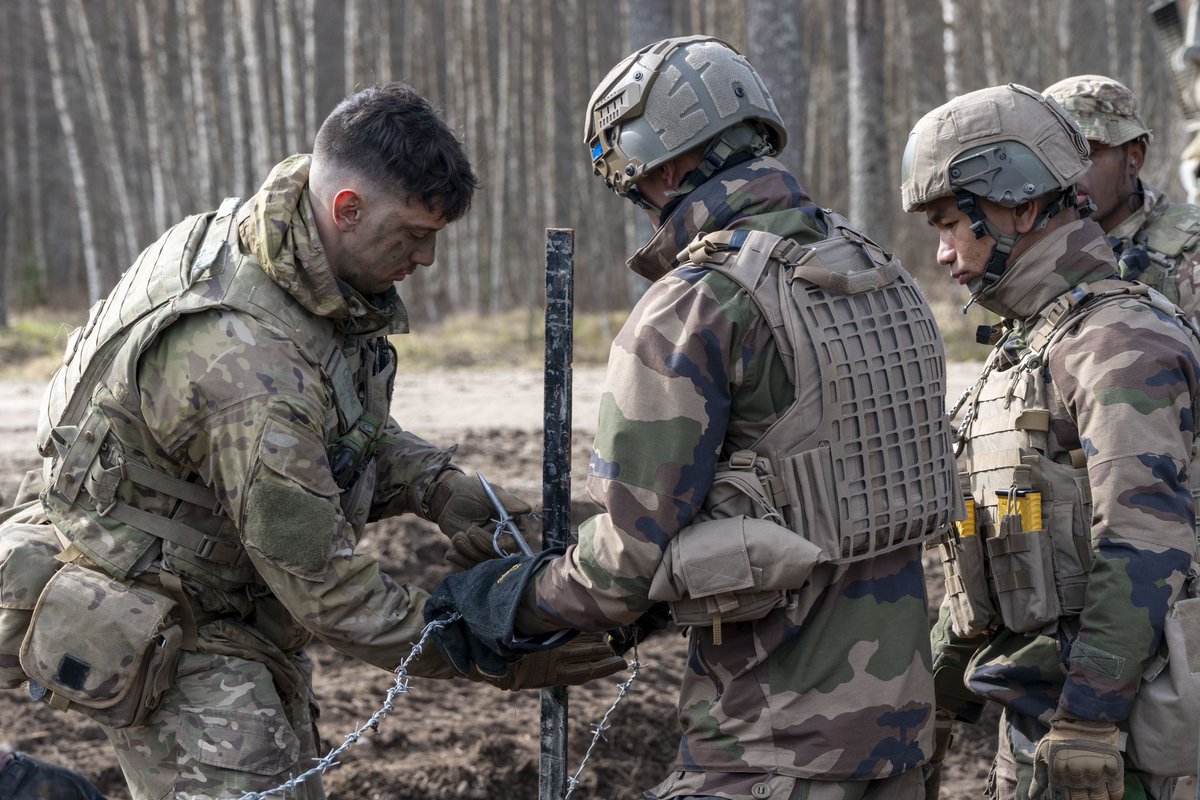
[(1123, 386), (1106, 110), (908, 785), (227, 397), (1012, 771), (1136, 228), (223, 730), (834, 687)]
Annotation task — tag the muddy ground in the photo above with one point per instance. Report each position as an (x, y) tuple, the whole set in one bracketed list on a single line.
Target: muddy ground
[(453, 739)]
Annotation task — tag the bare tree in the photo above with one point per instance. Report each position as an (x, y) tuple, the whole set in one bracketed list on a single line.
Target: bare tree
[(950, 48), (292, 90), (64, 107), (773, 28), (103, 127), (870, 204), (261, 157), (651, 23)]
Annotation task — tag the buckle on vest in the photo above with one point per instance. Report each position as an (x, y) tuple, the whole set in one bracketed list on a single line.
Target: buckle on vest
[(743, 459)]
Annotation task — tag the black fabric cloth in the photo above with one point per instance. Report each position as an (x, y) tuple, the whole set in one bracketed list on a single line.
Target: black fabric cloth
[(654, 619), (487, 596), (27, 778)]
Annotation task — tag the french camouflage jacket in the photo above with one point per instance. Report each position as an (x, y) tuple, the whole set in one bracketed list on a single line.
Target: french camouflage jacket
[(1122, 386), (226, 394), (1171, 234), (834, 686)]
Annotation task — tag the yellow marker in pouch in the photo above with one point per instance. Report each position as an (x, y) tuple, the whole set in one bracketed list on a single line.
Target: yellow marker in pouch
[(1029, 507), (966, 527)]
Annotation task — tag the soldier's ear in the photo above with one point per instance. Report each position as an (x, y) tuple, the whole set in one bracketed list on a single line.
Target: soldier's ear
[(347, 209), (1025, 215), (1137, 156)]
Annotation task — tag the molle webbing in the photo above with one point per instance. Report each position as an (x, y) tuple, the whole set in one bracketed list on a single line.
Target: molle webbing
[(878, 473)]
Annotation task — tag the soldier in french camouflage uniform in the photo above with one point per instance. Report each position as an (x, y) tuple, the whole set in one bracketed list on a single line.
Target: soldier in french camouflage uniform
[(1074, 450), (777, 347), (1157, 242), (216, 440)]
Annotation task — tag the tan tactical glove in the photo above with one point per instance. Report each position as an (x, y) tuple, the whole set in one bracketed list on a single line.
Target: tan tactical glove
[(1079, 760), (943, 737), (584, 658), (475, 544), (456, 502)]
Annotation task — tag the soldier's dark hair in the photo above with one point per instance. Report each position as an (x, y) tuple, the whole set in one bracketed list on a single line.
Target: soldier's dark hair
[(391, 135)]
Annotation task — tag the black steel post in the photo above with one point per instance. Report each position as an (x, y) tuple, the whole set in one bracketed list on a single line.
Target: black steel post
[(556, 475)]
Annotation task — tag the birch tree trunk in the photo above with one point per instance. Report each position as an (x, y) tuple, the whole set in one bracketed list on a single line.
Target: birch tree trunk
[(352, 38), (33, 159), (649, 23), (773, 29), (870, 198), (100, 107), (238, 137), (204, 103), (63, 107), (950, 16), (499, 166), (291, 96), (152, 90), (308, 12), (261, 158)]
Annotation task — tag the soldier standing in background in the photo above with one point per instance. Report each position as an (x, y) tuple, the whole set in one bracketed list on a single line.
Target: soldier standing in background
[(1157, 242), (216, 440), (1075, 447), (777, 348)]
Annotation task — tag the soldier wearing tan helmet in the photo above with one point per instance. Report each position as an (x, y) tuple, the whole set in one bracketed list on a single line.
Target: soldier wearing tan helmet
[(1074, 450), (1157, 242), (777, 348)]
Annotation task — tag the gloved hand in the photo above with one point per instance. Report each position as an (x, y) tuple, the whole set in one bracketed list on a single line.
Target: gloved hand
[(456, 502), (584, 658), (654, 619), (487, 596), (474, 545), (1079, 760), (943, 737)]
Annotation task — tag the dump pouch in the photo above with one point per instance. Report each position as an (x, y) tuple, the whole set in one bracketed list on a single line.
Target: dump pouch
[(1022, 565), (735, 569), (101, 648), (27, 562), (1165, 717)]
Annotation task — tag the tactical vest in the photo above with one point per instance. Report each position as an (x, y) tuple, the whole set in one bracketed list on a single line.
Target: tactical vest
[(1022, 555), (1152, 255), (877, 473), (125, 513)]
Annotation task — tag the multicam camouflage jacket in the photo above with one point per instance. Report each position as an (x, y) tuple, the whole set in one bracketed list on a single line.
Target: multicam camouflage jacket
[(215, 385), (1170, 232), (834, 686), (1121, 387)]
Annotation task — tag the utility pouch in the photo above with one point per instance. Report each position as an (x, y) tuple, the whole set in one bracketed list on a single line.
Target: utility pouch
[(734, 569), (971, 608), (1165, 715), (27, 562), (101, 648), (1021, 557)]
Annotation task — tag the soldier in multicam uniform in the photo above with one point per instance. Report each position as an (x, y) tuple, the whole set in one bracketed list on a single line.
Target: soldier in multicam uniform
[(1075, 448), (781, 376), (216, 440), (1157, 242)]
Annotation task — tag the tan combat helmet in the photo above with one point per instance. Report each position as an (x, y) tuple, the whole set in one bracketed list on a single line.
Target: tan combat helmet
[(1007, 144), (674, 96), (1107, 112)]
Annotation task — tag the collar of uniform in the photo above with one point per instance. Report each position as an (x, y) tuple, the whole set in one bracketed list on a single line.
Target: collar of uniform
[(1069, 255), (1152, 198), (751, 188)]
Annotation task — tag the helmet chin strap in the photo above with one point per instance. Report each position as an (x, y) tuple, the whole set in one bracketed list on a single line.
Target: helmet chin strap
[(997, 262)]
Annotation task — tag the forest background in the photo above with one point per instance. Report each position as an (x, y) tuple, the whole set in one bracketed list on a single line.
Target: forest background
[(118, 117)]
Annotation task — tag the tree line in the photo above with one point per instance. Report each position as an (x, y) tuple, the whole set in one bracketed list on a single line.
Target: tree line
[(121, 116)]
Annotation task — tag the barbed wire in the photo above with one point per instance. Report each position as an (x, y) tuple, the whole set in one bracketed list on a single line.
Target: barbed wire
[(399, 686), (600, 727)]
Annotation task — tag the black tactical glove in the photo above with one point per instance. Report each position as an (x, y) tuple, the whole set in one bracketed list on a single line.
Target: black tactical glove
[(487, 596), (652, 620), (943, 737), (584, 658)]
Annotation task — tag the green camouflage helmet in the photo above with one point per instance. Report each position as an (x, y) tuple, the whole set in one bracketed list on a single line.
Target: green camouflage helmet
[(1105, 109), (671, 97), (1004, 143)]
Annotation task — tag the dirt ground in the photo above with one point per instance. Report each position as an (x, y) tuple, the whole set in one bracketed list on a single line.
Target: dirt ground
[(454, 739)]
